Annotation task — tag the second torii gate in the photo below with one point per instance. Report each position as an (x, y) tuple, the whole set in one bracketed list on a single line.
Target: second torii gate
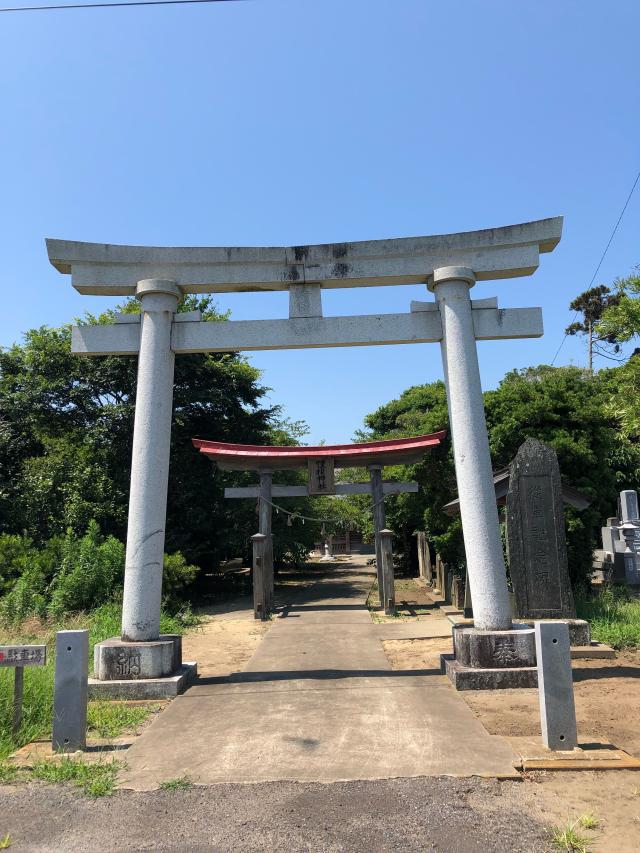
[(321, 462)]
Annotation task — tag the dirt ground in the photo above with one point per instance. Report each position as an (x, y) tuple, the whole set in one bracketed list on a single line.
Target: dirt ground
[(224, 641), (607, 694)]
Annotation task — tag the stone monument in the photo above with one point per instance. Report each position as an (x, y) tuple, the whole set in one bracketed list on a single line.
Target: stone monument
[(536, 537), (621, 541)]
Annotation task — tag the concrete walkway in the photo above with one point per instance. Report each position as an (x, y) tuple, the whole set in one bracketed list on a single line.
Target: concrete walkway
[(318, 701)]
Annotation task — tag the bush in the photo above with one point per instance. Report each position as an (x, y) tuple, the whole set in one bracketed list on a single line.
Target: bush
[(614, 616), (91, 568), (177, 575)]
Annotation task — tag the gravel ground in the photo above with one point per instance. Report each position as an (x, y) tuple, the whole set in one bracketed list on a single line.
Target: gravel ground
[(396, 814)]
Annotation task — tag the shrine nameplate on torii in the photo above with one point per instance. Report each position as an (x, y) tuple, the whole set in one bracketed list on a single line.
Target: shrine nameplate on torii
[(321, 463)]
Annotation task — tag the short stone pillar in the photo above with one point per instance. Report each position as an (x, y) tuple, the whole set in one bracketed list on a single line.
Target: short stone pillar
[(388, 582), (480, 525), (261, 607), (70, 691), (555, 685)]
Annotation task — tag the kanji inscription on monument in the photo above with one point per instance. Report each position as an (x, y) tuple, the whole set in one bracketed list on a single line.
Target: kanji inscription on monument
[(536, 537), (321, 477)]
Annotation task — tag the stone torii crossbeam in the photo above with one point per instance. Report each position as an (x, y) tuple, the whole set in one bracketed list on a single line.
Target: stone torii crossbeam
[(449, 265)]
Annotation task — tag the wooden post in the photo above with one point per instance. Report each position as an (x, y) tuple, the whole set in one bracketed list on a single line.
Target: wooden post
[(264, 527), (260, 603), (379, 521), (389, 595), (18, 684)]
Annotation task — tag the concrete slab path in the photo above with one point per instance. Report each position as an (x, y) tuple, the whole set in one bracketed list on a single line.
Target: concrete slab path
[(318, 702)]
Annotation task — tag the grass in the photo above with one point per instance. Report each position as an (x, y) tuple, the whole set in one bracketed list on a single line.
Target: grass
[(589, 821), (111, 719), (94, 779), (8, 773), (181, 783), (38, 680), (568, 838), (614, 616)]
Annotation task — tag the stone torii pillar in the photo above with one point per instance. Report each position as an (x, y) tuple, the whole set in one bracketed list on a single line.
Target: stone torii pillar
[(480, 525), (149, 462)]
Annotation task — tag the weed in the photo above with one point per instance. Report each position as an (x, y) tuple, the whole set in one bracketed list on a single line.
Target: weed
[(589, 821), (95, 780), (111, 719), (5, 842), (613, 614), (566, 838), (179, 784), (8, 773)]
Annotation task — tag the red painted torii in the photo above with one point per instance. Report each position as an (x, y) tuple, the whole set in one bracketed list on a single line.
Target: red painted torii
[(252, 457), (321, 461)]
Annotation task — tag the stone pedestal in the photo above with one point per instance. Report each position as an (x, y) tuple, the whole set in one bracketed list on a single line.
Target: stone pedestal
[(491, 660), (120, 660)]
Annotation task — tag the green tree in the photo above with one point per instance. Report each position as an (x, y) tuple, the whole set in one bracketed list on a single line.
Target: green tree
[(592, 304), (566, 408), (65, 440)]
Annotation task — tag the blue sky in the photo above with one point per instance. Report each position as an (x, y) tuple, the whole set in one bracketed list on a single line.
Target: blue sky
[(279, 122)]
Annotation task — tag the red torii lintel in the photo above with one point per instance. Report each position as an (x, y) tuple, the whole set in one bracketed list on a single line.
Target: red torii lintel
[(252, 457)]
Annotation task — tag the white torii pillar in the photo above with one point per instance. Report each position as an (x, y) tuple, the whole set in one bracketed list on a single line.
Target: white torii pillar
[(149, 462), (480, 526)]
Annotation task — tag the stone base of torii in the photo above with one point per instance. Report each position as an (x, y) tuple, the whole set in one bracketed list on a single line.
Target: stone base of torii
[(449, 265)]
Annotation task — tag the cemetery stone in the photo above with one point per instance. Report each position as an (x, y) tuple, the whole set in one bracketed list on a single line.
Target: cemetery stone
[(536, 536)]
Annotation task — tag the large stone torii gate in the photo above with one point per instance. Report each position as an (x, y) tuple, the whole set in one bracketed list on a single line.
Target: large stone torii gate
[(449, 265)]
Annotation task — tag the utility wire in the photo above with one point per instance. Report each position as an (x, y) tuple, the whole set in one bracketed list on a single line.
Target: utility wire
[(606, 249), (109, 5)]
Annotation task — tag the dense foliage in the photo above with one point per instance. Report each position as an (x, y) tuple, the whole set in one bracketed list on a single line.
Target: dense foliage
[(65, 450), (567, 408)]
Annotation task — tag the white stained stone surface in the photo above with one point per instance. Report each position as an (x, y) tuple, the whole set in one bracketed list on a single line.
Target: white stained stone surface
[(480, 526), (150, 463), (100, 268)]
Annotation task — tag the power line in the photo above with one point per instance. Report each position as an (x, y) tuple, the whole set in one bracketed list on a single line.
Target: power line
[(109, 5), (606, 249)]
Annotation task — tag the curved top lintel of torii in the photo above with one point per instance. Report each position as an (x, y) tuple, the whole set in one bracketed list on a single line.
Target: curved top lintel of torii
[(253, 457), (493, 253)]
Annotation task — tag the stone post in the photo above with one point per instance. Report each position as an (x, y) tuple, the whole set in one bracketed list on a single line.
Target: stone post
[(379, 521), (70, 691), (388, 579), (150, 462), (260, 608), (480, 526), (264, 526)]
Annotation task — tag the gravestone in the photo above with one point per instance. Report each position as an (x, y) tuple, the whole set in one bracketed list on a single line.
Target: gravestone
[(536, 537), (621, 541)]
